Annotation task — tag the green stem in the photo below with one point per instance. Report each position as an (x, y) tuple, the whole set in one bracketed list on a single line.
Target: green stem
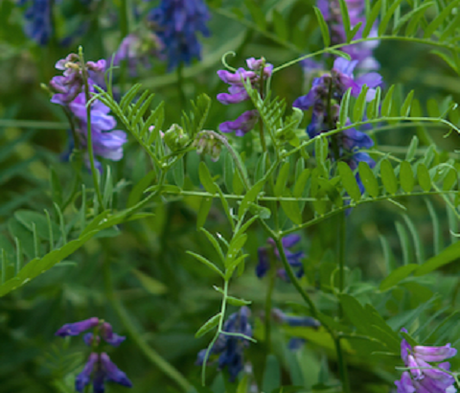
[(291, 275), (148, 351), (89, 134), (124, 18), (261, 123), (315, 312), (341, 238), (342, 366), (216, 336), (268, 311), (368, 39)]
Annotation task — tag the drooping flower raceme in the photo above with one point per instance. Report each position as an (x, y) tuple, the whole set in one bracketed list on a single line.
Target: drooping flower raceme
[(331, 87), (258, 72), (99, 368), (229, 349), (294, 258), (362, 52), (38, 25), (107, 142), (422, 377), (177, 23)]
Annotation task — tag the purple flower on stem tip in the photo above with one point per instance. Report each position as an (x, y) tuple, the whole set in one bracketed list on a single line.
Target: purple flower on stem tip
[(237, 91), (74, 329), (258, 72), (230, 348), (107, 143), (422, 377), (294, 258)]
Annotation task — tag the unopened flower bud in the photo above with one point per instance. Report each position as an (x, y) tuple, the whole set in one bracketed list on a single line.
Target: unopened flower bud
[(176, 138)]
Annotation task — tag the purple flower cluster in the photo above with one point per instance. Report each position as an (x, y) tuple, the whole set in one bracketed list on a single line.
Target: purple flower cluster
[(107, 142), (136, 49), (229, 349), (99, 368), (177, 23), (422, 377), (294, 258), (331, 87), (259, 71), (38, 24), (362, 52)]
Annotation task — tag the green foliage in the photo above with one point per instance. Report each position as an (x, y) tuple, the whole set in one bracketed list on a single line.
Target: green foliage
[(185, 229)]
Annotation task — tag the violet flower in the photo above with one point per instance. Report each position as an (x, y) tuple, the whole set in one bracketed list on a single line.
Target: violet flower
[(332, 86), (104, 329), (237, 93), (99, 368), (229, 349), (422, 377), (177, 23), (361, 52), (107, 142), (74, 329), (38, 25), (294, 258)]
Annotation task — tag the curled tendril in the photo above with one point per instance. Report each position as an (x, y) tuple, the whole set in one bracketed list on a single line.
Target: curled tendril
[(224, 60)]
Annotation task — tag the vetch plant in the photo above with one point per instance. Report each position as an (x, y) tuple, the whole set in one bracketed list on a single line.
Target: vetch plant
[(217, 221)]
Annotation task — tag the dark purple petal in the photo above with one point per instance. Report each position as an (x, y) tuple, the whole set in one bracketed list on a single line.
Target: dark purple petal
[(345, 66), (242, 125), (405, 384), (264, 262), (74, 329), (352, 138), (84, 377), (112, 372), (290, 240), (109, 336)]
